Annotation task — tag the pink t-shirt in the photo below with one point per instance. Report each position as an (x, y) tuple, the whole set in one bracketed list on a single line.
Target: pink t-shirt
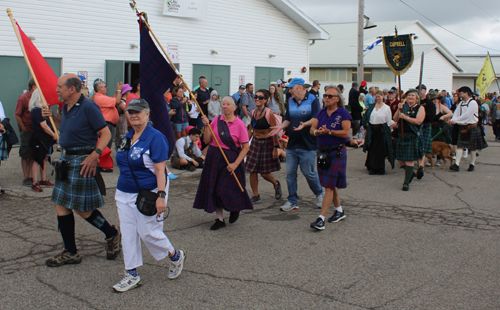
[(238, 131)]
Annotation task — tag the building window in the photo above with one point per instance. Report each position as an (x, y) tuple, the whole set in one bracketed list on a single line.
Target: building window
[(328, 75), (317, 74), (367, 75), (383, 76)]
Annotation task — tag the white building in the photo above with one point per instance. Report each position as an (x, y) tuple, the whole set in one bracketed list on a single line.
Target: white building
[(231, 42), (471, 65), (335, 61)]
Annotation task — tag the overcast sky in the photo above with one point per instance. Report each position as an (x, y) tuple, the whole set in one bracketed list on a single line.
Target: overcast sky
[(467, 18)]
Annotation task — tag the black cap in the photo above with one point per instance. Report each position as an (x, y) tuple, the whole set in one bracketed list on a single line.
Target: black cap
[(137, 105), (423, 87), (465, 89)]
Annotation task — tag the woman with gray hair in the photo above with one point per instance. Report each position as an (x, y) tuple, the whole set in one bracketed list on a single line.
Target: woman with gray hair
[(331, 126), (218, 189), (43, 139)]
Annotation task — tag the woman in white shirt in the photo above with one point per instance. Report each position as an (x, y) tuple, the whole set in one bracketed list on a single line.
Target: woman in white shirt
[(378, 123)]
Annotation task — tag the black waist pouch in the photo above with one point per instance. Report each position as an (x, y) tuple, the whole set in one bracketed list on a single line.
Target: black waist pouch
[(323, 159), (61, 169), (146, 202)]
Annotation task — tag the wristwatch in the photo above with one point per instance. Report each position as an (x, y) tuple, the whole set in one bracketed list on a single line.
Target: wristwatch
[(98, 151), (162, 194), (330, 132)]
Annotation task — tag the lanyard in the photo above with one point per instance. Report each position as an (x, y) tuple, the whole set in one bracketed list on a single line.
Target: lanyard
[(255, 120)]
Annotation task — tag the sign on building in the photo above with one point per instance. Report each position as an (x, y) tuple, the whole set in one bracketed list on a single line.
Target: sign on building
[(173, 51), (185, 8)]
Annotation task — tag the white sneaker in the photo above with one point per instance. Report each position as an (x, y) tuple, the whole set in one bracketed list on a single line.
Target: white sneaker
[(128, 283), (176, 267), (465, 154), (319, 200), (288, 206), (439, 163)]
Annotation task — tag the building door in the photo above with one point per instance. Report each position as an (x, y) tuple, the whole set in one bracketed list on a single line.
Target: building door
[(264, 76), (13, 84), (218, 77)]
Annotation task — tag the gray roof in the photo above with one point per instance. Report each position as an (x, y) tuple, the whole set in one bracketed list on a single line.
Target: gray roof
[(472, 64), (341, 50)]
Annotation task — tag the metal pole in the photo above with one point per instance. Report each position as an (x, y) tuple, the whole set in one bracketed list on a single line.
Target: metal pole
[(361, 14)]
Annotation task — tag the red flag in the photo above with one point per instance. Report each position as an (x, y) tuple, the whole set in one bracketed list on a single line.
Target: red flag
[(45, 76)]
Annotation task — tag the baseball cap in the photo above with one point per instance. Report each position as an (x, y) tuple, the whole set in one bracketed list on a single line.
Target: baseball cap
[(423, 87), (392, 91), (363, 83), (241, 87), (279, 82), (137, 105), (296, 81)]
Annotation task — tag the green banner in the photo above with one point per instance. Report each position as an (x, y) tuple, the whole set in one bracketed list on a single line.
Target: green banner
[(398, 51)]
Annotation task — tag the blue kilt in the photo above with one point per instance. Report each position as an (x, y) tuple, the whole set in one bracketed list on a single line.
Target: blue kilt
[(473, 140), (4, 154), (218, 188), (410, 148), (335, 176), (77, 193), (427, 136), (260, 156)]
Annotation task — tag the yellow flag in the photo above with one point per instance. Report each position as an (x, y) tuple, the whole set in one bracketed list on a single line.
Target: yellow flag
[(486, 76)]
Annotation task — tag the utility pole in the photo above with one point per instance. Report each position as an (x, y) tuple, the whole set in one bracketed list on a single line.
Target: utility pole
[(361, 14)]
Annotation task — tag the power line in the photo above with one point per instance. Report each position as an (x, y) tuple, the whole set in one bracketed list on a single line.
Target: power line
[(485, 11), (488, 48)]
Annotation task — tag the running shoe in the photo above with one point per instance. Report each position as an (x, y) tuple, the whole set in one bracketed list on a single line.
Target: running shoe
[(288, 206), (127, 283), (337, 216), (64, 258), (176, 267), (319, 224)]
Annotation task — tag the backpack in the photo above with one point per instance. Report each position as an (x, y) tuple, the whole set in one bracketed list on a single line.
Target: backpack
[(238, 106), (481, 113)]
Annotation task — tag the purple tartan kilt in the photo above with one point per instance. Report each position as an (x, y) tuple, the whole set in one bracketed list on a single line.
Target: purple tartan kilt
[(260, 157), (335, 175), (218, 188)]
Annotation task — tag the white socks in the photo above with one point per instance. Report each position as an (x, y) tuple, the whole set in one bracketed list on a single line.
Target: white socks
[(458, 156), (473, 158), (321, 217), (339, 209)]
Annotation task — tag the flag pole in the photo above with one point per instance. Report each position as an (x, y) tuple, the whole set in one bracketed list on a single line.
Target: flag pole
[(493, 70), (134, 7), (9, 12)]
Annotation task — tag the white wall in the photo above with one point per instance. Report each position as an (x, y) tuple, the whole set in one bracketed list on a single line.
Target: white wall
[(463, 81), (86, 33)]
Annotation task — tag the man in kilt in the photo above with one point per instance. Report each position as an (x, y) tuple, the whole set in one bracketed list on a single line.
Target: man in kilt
[(80, 126), (470, 135), (430, 112)]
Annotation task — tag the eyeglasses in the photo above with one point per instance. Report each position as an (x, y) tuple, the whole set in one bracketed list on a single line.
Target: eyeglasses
[(258, 97), (329, 96)]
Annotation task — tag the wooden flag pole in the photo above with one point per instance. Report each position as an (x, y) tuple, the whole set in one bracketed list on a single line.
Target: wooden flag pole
[(134, 7), (401, 99), (45, 105)]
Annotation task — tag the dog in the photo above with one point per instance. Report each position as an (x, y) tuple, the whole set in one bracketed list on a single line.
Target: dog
[(441, 150)]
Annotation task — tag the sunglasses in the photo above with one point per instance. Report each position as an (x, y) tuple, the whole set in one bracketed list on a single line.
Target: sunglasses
[(329, 96), (258, 97)]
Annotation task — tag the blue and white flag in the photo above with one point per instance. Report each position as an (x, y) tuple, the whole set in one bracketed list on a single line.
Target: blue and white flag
[(370, 47)]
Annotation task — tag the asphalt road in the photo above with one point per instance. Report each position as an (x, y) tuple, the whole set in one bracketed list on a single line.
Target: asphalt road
[(434, 247)]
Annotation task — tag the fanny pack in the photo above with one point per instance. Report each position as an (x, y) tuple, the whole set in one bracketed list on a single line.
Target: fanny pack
[(323, 156), (61, 169), (465, 129)]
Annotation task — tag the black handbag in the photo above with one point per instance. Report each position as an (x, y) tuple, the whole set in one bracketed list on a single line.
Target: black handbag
[(146, 200)]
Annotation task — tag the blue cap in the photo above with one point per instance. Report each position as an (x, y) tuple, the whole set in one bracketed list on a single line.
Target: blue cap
[(82, 78), (296, 81)]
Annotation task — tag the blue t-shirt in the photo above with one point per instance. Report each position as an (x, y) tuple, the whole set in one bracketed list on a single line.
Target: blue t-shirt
[(79, 125), (236, 96), (369, 100), (332, 122), (152, 147), (297, 113), (37, 118)]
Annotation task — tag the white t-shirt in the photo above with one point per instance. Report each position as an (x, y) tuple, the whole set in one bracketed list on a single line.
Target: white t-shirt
[(2, 114)]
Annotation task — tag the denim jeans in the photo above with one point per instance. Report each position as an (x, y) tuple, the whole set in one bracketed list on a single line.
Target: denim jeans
[(307, 161)]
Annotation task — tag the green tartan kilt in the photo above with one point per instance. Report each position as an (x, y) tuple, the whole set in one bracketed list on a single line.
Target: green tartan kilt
[(410, 148), (77, 193), (444, 136), (427, 135)]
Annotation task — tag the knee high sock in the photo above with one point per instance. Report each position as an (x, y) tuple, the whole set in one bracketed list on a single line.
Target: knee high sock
[(97, 220), (458, 156), (67, 228), (473, 158), (408, 174)]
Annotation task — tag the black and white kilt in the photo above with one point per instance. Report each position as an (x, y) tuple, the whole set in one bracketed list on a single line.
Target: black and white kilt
[(335, 176), (473, 140), (4, 154), (77, 193), (260, 157), (410, 148)]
